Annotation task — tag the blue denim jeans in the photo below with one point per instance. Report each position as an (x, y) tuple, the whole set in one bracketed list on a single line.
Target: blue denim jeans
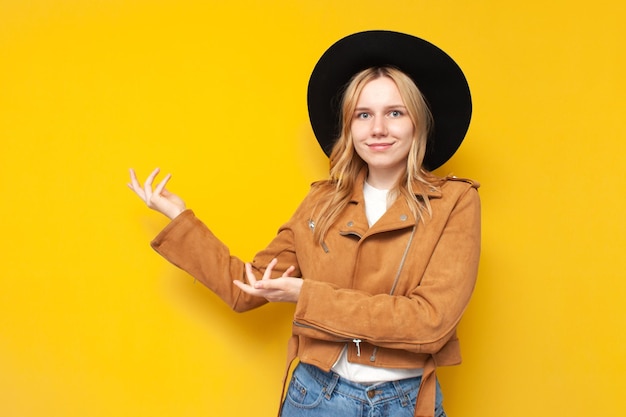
[(315, 393)]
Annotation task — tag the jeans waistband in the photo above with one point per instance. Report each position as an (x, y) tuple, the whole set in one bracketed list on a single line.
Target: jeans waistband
[(371, 394)]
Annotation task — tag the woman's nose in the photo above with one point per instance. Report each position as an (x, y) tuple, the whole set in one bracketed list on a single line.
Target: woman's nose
[(379, 127)]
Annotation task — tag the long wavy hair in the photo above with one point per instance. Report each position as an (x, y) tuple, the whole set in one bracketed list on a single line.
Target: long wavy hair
[(346, 164)]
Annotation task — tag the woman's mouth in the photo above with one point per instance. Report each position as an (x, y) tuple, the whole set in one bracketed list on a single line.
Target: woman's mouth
[(379, 146)]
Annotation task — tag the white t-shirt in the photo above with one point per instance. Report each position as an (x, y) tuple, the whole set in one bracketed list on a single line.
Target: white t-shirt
[(375, 207)]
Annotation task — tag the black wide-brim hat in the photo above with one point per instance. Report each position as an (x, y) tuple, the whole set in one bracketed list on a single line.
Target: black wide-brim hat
[(437, 76)]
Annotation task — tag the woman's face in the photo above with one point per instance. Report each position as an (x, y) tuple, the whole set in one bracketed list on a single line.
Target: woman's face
[(382, 131)]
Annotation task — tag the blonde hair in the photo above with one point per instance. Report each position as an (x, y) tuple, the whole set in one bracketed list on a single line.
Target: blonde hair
[(346, 164)]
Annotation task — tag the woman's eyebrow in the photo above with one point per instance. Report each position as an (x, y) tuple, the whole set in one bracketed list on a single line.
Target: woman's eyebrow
[(391, 106)]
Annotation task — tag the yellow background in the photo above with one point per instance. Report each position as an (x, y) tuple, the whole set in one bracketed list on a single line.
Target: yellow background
[(94, 323)]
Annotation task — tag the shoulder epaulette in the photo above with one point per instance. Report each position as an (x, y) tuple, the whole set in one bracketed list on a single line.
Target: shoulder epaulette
[(473, 183)]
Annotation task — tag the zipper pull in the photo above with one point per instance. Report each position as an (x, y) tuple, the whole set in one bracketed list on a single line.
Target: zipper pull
[(357, 342), (373, 357)]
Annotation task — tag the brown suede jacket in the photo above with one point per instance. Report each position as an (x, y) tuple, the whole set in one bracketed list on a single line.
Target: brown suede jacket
[(397, 289)]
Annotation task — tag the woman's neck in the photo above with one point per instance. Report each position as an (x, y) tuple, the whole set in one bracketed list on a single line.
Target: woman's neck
[(382, 180)]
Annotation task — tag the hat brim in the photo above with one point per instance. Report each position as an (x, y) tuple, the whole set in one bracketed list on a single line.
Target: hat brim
[(437, 76)]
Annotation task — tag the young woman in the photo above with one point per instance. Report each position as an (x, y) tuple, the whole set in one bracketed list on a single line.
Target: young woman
[(381, 258)]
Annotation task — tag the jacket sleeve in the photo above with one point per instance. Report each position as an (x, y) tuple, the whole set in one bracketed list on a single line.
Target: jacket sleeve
[(422, 321), (189, 244)]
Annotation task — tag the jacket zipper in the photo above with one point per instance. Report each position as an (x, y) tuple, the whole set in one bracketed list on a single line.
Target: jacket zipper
[(356, 341), (373, 355)]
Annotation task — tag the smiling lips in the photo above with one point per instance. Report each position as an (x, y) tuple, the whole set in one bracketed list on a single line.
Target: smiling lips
[(379, 146)]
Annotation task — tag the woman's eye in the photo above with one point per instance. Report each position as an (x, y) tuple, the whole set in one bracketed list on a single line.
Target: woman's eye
[(362, 115), (395, 113)]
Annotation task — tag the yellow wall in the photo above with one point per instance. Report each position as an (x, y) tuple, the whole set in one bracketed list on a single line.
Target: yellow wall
[(94, 323)]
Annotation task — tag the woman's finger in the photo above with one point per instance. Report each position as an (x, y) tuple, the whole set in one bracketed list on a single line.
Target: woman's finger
[(250, 275), (288, 272), (160, 186), (270, 267), (135, 186), (147, 186), (133, 177)]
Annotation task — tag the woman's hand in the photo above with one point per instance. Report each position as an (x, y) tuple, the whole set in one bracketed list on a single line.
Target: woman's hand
[(158, 199), (285, 288)]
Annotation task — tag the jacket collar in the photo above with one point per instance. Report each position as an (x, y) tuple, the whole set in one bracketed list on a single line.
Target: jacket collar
[(357, 192), (398, 216)]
